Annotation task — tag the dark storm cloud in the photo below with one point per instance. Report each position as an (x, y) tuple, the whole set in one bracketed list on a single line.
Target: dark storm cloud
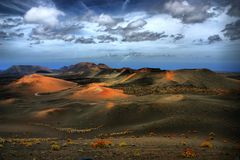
[(106, 38), (232, 30), (214, 38), (85, 40), (143, 36), (235, 8)]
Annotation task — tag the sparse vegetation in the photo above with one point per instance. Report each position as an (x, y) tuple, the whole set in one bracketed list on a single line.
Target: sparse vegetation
[(184, 143), (137, 153), (152, 134), (55, 147), (27, 142), (115, 134), (122, 144), (70, 141), (2, 141), (173, 89), (206, 144), (189, 153), (69, 130), (101, 143)]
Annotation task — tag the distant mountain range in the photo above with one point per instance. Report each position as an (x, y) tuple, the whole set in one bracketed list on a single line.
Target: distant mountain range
[(144, 80), (82, 68)]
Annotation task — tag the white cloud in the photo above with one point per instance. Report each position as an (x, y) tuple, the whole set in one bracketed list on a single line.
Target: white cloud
[(164, 23), (43, 15), (179, 8), (136, 24), (104, 19)]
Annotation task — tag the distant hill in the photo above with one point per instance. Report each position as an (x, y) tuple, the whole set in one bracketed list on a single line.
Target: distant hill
[(84, 68), (25, 70)]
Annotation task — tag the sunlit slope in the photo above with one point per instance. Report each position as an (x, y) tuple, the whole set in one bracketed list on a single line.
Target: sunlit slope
[(36, 83)]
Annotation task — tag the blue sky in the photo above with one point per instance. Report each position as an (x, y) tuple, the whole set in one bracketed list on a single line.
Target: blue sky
[(169, 34)]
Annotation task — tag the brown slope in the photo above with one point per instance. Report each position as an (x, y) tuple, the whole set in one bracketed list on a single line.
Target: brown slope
[(199, 78)]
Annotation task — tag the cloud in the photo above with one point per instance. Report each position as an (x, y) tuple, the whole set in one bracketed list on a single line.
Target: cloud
[(41, 32), (136, 24), (132, 26), (43, 15), (143, 36), (65, 31), (235, 8), (214, 38), (10, 22), (106, 38), (68, 38), (210, 40), (102, 19), (36, 42), (10, 35), (84, 40), (177, 8), (199, 42), (232, 30), (177, 37), (119, 30), (187, 12)]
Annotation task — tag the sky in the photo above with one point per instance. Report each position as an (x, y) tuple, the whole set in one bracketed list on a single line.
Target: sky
[(166, 34)]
